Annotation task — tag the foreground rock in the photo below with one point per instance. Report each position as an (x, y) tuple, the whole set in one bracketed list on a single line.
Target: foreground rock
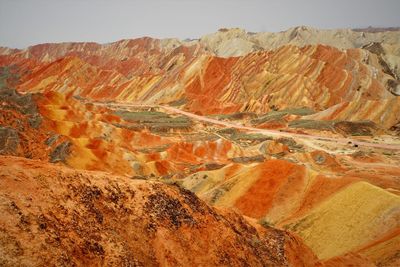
[(57, 216)]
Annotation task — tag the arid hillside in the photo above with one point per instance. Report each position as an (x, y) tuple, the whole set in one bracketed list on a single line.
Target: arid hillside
[(52, 215)]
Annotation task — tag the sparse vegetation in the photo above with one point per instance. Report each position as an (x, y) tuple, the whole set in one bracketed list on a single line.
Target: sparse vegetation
[(312, 124), (179, 102), (250, 137), (8, 76), (279, 114), (234, 116), (154, 120), (291, 143), (257, 158), (166, 208), (140, 116), (242, 137), (265, 223), (229, 131), (356, 128)]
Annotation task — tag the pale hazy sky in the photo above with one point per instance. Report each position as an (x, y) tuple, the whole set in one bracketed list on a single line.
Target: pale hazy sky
[(28, 22)]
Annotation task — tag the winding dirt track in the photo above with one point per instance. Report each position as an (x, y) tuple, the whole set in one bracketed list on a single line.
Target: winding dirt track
[(275, 133)]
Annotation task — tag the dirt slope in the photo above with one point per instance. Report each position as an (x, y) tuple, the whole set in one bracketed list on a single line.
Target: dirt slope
[(52, 215)]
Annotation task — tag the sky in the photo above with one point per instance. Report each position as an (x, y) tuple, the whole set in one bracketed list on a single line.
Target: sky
[(29, 22)]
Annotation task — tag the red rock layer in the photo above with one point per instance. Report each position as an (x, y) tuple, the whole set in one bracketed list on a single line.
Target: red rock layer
[(317, 77)]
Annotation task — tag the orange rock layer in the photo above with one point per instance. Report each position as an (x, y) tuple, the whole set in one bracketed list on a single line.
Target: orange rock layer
[(58, 216)]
